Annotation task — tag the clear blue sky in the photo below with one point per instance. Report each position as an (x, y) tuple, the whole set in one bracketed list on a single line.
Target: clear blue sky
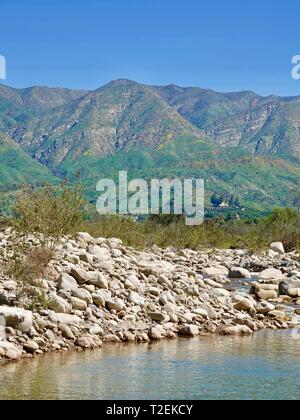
[(226, 45)]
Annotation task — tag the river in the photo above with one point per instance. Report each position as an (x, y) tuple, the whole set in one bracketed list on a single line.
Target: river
[(263, 366)]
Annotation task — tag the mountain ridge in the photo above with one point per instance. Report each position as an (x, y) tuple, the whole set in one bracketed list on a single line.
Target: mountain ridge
[(170, 130)]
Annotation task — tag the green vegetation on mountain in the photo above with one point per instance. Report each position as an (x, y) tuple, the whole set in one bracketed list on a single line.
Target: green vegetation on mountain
[(242, 144)]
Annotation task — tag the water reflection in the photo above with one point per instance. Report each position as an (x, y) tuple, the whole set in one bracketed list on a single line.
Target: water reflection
[(263, 366)]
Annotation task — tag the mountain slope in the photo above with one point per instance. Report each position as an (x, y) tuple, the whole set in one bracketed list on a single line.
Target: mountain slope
[(17, 168), (101, 123)]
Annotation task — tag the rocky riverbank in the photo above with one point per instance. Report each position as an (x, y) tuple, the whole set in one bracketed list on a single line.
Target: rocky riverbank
[(97, 291)]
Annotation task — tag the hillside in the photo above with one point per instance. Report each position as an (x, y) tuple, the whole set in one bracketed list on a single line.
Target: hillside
[(240, 143)]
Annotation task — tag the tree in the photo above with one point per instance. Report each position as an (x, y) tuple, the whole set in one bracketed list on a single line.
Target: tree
[(216, 200)]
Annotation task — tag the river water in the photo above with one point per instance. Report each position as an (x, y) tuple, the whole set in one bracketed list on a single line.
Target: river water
[(263, 366)]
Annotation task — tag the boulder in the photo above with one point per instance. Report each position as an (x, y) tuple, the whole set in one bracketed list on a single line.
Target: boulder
[(83, 294), (65, 319), (136, 299), (267, 294), (215, 271), (115, 305), (58, 304), (189, 331), (30, 346), (99, 280), (80, 275), (264, 307), (10, 351), (78, 304), (270, 275), (102, 254), (66, 282), (66, 332), (278, 247), (17, 318), (243, 304), (239, 273), (237, 330), (158, 317), (288, 284), (86, 237)]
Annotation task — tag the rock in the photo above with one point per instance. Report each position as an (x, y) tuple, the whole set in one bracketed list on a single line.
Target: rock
[(116, 305), (136, 299), (65, 319), (85, 342), (16, 318), (155, 334), (86, 237), (158, 317), (267, 295), (237, 330), (98, 299), (239, 273), (277, 247), (288, 284), (30, 346), (201, 312), (58, 304), (277, 314), (270, 275), (243, 304), (78, 304), (87, 258), (80, 275), (166, 298), (83, 294), (189, 331), (98, 280), (96, 330), (66, 332), (10, 351), (102, 254), (214, 271), (222, 293), (66, 282), (264, 307), (294, 293)]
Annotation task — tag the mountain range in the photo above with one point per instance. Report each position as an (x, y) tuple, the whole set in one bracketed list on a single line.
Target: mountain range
[(240, 143)]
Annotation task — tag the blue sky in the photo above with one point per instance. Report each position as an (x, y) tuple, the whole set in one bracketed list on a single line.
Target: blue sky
[(226, 45)]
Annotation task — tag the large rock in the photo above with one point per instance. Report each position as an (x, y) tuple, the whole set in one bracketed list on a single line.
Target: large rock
[(86, 237), (270, 275), (65, 319), (264, 308), (58, 304), (78, 304), (158, 317), (288, 284), (243, 304), (10, 351), (16, 318), (215, 271), (83, 294), (66, 282), (99, 280), (102, 254), (277, 247), (239, 273), (80, 275), (116, 305), (189, 331), (237, 330), (267, 294), (136, 299)]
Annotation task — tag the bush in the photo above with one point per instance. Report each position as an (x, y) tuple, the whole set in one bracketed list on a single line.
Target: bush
[(50, 212)]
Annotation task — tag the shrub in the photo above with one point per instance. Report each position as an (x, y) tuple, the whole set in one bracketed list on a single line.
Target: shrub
[(50, 212)]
